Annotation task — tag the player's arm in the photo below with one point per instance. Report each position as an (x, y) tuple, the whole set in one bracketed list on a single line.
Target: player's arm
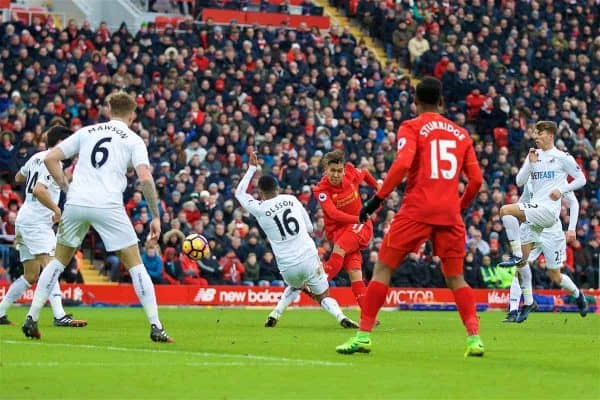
[(41, 193), (20, 178), (241, 191), (139, 159), (64, 150), (573, 215), (332, 212), (475, 178), (407, 148), (307, 221), (525, 171), (575, 172), (365, 176)]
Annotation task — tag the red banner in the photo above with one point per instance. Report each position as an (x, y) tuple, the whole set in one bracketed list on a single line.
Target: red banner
[(268, 296)]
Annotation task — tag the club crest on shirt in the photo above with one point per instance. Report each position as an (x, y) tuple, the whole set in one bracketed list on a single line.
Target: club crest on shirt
[(401, 143), (322, 197)]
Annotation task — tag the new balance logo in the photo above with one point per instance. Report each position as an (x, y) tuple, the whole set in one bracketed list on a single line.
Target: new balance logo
[(205, 295)]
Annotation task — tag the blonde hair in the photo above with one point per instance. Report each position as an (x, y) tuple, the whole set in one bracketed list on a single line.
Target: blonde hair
[(549, 126), (121, 104)]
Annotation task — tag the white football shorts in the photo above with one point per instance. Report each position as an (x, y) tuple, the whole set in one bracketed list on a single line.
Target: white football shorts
[(310, 273), (33, 240), (112, 224), (553, 245)]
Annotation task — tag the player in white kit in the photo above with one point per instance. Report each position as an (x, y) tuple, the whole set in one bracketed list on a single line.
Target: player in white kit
[(547, 168), (553, 245), (95, 197), (34, 234), (287, 226)]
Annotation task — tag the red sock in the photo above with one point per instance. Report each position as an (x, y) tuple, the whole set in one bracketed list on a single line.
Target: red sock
[(465, 302), (360, 290), (334, 265), (372, 302)]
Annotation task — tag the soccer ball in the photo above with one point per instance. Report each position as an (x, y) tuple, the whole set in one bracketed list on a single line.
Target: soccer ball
[(195, 247)]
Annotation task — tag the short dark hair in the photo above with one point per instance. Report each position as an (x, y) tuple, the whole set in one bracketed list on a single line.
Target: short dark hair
[(333, 157), (55, 134), (268, 184), (549, 126), (429, 91)]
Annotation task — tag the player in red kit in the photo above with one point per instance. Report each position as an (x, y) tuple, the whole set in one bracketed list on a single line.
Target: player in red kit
[(338, 195), (432, 152)]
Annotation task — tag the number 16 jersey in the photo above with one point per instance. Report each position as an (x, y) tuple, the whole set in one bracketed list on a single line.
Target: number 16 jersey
[(105, 151), (285, 222)]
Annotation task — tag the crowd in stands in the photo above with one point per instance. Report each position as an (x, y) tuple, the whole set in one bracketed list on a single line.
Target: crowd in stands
[(209, 95), (195, 7)]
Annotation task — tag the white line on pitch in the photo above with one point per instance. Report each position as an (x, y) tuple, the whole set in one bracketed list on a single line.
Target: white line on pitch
[(188, 353), (133, 364)]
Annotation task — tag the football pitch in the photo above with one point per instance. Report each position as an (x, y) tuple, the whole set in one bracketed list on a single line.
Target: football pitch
[(228, 354)]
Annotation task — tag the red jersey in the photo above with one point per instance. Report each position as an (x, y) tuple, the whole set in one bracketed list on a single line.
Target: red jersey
[(341, 204), (433, 151)]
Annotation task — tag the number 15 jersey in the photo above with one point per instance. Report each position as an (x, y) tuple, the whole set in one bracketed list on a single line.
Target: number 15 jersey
[(440, 151), (285, 222), (105, 151)]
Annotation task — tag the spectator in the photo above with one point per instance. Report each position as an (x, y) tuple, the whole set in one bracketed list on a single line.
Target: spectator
[(233, 269), (154, 265), (173, 273), (191, 271)]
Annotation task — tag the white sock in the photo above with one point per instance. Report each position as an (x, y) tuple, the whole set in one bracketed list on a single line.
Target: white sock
[(289, 295), (145, 292), (56, 302), (46, 282), (565, 283), (15, 291), (511, 224), (332, 307), (526, 286), (515, 294)]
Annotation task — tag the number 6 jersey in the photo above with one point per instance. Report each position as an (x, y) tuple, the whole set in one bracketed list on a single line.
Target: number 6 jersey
[(33, 212), (105, 151), (285, 222)]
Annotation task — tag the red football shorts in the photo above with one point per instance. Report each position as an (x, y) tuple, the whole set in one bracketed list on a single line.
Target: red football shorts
[(406, 235), (354, 239)]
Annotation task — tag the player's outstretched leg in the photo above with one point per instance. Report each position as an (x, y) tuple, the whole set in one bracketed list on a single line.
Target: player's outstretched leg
[(513, 300), (565, 282), (288, 296), (374, 299), (452, 268), (144, 289), (48, 278), (61, 318), (15, 291)]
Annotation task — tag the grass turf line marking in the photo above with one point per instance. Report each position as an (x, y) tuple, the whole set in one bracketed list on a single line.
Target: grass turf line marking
[(188, 353), (135, 364)]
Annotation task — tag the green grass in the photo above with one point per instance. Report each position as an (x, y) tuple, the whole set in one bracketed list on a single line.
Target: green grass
[(228, 354)]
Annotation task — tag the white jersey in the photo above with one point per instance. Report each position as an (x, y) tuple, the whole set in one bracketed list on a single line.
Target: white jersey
[(550, 172), (573, 209), (285, 222), (105, 151), (33, 212)]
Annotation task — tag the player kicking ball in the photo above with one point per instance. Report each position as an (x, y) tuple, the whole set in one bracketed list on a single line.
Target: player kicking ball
[(95, 197), (338, 196), (553, 245), (433, 151), (34, 234), (546, 168), (287, 226)]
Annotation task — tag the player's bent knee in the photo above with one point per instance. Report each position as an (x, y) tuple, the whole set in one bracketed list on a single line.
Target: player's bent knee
[(130, 256), (64, 254), (382, 272)]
